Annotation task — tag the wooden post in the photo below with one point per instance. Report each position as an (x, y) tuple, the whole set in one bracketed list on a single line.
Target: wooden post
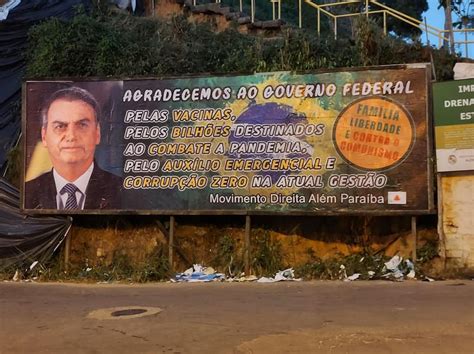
[(247, 245), (170, 242), (414, 238)]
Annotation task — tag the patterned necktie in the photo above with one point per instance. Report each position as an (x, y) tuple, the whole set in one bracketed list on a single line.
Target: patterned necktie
[(71, 202)]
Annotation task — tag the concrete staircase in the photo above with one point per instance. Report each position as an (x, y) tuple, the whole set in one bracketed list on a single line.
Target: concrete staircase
[(220, 17)]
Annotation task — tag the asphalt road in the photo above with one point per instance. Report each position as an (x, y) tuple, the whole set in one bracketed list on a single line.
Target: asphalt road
[(300, 317)]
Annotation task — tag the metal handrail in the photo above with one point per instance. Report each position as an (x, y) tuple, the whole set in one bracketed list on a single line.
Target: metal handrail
[(385, 11)]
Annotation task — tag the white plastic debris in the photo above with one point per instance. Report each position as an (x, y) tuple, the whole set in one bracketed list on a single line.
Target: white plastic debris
[(242, 278), (342, 272), (266, 280), (198, 273), (411, 267), (5, 9), (287, 274), (17, 276), (33, 265), (393, 263), (371, 274), (392, 267), (283, 275), (208, 270), (353, 277), (397, 271)]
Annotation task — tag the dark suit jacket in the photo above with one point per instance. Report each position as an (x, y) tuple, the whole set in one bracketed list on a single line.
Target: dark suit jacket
[(103, 191)]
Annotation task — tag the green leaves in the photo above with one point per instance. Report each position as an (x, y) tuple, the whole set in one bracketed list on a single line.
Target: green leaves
[(118, 45)]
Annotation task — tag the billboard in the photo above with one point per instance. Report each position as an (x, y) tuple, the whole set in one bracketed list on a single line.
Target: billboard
[(338, 142), (453, 104)]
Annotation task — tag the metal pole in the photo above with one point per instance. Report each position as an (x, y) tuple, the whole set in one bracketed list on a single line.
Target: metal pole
[(252, 10), (241, 6), (385, 22), (170, 243), (247, 245), (414, 238), (335, 27), (367, 8), (319, 22), (273, 10), (465, 38), (279, 9), (300, 23)]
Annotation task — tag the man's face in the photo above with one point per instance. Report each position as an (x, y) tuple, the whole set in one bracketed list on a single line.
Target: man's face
[(71, 134)]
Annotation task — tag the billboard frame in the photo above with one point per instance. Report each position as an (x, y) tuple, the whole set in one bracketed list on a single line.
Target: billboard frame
[(431, 207)]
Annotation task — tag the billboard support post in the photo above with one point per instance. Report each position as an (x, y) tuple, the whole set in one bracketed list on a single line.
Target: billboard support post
[(247, 245), (414, 238), (171, 242)]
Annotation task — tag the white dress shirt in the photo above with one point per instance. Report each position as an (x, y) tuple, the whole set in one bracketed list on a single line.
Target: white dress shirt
[(81, 183)]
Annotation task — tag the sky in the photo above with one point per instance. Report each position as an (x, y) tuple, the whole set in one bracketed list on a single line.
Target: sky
[(435, 17)]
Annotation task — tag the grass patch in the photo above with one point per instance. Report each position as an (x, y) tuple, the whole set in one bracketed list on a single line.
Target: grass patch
[(229, 257), (330, 269), (154, 268), (267, 254), (427, 252)]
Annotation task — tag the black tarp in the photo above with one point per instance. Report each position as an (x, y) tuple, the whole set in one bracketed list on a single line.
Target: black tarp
[(25, 239), (13, 43)]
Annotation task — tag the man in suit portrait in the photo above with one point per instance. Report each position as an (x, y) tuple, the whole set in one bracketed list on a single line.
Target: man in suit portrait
[(70, 131)]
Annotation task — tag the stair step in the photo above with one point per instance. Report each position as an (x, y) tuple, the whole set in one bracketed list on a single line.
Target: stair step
[(210, 8), (235, 15), (243, 20), (271, 24)]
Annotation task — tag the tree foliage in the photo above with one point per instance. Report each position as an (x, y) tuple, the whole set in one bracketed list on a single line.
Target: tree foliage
[(111, 45), (411, 8)]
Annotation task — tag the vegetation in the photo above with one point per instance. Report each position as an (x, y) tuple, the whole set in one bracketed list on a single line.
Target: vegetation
[(103, 44), (154, 268), (229, 258), (330, 269), (266, 254)]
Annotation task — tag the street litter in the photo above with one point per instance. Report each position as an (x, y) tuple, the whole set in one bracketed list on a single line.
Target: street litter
[(397, 269), (393, 263), (425, 278), (342, 272), (411, 269), (283, 275), (198, 273), (354, 276), (242, 278), (33, 265)]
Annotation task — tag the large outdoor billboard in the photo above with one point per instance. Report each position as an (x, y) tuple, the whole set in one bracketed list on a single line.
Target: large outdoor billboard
[(453, 103), (315, 143)]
